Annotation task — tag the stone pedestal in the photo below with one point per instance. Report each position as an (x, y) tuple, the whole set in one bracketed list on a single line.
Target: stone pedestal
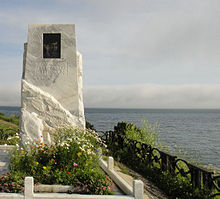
[(51, 95)]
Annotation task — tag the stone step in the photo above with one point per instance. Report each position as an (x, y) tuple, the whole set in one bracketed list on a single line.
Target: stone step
[(4, 158), (5, 151), (4, 168)]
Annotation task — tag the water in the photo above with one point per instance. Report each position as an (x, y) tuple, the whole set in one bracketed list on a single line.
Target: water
[(197, 131)]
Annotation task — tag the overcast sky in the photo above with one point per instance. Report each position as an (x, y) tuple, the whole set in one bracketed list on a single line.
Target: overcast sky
[(136, 53)]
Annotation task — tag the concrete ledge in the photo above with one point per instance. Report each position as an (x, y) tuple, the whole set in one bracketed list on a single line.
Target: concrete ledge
[(52, 188), (77, 196), (11, 196), (7, 147), (108, 168)]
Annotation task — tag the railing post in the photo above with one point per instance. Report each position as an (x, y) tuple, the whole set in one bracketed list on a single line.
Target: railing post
[(197, 178), (150, 157), (138, 189), (172, 164), (110, 163), (29, 188), (163, 162)]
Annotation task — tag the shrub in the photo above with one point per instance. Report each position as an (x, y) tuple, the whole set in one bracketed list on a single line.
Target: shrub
[(9, 136), (90, 126), (147, 133), (9, 183)]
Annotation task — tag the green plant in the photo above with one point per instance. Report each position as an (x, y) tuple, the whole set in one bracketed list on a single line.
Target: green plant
[(147, 133), (71, 160), (90, 126), (13, 119), (8, 130), (9, 183), (9, 136)]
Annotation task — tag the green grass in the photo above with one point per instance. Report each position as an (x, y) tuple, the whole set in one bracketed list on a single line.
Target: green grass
[(12, 119), (7, 126), (10, 136)]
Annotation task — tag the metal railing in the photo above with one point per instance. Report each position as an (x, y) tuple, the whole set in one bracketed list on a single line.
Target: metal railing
[(144, 154)]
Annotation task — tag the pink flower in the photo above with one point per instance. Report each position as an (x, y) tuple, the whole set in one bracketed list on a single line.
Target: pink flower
[(22, 188), (38, 184), (75, 165)]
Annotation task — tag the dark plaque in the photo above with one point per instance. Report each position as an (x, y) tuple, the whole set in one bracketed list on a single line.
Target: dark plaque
[(51, 45)]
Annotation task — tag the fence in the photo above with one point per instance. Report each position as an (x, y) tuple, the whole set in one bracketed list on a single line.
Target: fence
[(141, 153)]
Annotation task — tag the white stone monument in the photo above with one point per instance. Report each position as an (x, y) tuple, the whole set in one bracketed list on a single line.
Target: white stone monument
[(51, 93)]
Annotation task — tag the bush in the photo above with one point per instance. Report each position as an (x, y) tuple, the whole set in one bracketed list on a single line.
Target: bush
[(147, 133), (9, 136), (90, 126), (9, 183), (71, 160)]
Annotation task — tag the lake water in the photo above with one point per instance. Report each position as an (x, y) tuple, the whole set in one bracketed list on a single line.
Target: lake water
[(197, 131)]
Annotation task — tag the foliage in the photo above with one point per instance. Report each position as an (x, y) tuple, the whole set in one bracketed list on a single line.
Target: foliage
[(9, 137), (122, 149), (13, 119), (147, 133), (8, 130), (90, 126), (9, 183), (173, 186), (71, 160)]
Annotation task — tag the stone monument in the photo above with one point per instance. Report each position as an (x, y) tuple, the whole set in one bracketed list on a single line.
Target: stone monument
[(51, 90)]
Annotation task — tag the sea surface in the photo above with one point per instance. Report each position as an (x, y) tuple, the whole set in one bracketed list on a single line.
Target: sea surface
[(195, 132)]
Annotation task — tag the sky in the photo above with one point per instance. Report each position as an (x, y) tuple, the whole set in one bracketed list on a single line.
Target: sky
[(136, 53)]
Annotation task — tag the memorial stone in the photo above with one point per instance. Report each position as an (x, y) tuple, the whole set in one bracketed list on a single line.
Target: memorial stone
[(51, 93)]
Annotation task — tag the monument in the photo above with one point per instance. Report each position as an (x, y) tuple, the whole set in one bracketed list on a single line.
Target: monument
[(51, 86)]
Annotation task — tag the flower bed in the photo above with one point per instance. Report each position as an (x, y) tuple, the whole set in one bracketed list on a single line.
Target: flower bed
[(71, 160)]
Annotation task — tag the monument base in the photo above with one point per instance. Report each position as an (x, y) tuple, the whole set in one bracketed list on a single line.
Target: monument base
[(42, 115)]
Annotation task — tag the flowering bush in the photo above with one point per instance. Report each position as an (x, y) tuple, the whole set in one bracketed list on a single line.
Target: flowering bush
[(71, 160), (9, 183)]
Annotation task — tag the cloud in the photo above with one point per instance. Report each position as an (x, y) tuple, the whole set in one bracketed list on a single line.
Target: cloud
[(135, 96), (143, 44), (153, 96)]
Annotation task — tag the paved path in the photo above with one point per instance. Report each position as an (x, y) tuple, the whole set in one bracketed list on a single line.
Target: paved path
[(151, 191)]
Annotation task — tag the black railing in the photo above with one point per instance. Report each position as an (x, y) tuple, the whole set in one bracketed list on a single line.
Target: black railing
[(139, 152)]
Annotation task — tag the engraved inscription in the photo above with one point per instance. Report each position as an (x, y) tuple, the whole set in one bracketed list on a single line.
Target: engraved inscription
[(47, 73)]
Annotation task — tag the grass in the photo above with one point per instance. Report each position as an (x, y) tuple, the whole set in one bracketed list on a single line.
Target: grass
[(8, 128), (12, 119)]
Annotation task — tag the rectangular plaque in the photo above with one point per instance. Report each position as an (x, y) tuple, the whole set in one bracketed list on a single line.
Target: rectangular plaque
[(51, 45)]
